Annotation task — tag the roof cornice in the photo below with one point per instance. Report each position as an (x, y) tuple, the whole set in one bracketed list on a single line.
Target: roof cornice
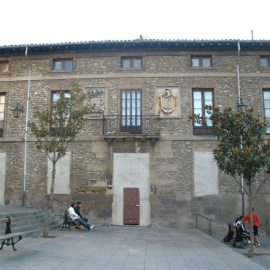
[(139, 44)]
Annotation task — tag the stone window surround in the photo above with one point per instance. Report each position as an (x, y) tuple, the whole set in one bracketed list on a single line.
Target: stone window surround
[(201, 55), (131, 55), (5, 60), (52, 93), (266, 89), (63, 57), (204, 130)]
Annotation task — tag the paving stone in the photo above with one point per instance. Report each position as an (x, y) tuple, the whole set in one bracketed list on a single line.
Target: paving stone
[(106, 248)]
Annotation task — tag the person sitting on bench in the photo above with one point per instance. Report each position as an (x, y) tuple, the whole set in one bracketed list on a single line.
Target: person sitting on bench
[(75, 217), (77, 210)]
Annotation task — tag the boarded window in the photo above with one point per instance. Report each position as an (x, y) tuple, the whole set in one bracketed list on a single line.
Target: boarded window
[(62, 177), (205, 174)]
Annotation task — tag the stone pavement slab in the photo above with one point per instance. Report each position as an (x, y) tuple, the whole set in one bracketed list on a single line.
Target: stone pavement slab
[(125, 248)]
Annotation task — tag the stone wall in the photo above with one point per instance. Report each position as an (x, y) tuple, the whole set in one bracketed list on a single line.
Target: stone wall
[(171, 157)]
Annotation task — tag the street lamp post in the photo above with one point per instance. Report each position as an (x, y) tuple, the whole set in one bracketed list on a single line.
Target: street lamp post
[(241, 108), (19, 109)]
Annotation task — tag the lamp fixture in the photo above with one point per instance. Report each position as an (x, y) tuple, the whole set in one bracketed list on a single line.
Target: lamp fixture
[(241, 105), (18, 109)]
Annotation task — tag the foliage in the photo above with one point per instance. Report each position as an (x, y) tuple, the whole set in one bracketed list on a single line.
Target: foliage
[(242, 149)]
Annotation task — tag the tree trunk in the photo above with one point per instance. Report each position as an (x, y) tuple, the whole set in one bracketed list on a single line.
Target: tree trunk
[(50, 203), (251, 248)]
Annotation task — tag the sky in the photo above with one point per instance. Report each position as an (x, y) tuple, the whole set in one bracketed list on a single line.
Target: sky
[(57, 21)]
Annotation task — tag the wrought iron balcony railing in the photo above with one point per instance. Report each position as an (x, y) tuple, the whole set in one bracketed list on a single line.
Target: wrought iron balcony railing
[(1, 128), (131, 126)]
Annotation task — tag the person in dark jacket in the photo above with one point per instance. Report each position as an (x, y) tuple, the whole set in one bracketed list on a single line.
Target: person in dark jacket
[(77, 210)]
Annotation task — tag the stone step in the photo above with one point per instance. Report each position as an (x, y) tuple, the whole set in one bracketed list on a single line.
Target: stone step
[(21, 222), (39, 232), (31, 222), (28, 217), (24, 214), (34, 227), (40, 217)]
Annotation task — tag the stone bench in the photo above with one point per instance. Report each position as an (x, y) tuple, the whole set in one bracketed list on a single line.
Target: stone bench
[(9, 238)]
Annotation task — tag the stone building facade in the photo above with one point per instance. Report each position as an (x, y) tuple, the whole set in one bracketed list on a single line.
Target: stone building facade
[(138, 159)]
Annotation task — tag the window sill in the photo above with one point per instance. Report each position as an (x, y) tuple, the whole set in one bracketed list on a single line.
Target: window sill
[(201, 68), (5, 73), (131, 69), (62, 71)]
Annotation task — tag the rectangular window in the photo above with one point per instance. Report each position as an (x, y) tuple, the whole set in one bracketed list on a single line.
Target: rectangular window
[(2, 113), (201, 61), (4, 66), (201, 98), (62, 64), (266, 105), (60, 126), (131, 111), (265, 61), (131, 62)]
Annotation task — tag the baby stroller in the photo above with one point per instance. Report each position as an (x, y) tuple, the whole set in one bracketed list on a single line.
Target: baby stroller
[(241, 237)]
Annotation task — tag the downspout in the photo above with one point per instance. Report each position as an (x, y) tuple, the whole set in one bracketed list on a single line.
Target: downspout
[(239, 102), (26, 128), (238, 73)]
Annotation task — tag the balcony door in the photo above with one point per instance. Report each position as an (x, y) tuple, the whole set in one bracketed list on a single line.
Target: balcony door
[(131, 118)]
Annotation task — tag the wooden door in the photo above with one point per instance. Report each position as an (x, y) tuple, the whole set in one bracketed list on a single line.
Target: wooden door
[(131, 206)]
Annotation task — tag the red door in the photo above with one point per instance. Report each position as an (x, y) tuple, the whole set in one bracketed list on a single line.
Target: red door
[(131, 206)]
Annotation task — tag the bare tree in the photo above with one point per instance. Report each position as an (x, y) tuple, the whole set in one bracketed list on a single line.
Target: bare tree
[(55, 127)]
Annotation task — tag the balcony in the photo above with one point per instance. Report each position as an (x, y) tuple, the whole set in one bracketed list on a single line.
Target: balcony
[(131, 127)]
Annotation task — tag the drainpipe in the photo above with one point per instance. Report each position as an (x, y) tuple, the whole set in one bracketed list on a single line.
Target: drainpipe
[(26, 128), (241, 146), (238, 73)]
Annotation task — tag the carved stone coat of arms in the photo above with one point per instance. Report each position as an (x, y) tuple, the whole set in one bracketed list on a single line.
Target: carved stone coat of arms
[(167, 101)]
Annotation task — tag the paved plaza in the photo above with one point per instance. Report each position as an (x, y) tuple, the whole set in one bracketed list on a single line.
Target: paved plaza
[(120, 247)]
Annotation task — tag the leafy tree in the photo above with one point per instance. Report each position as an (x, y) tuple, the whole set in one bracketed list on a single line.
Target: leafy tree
[(55, 127), (242, 149)]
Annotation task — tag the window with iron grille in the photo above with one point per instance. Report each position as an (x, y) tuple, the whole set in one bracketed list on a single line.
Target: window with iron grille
[(201, 98)]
